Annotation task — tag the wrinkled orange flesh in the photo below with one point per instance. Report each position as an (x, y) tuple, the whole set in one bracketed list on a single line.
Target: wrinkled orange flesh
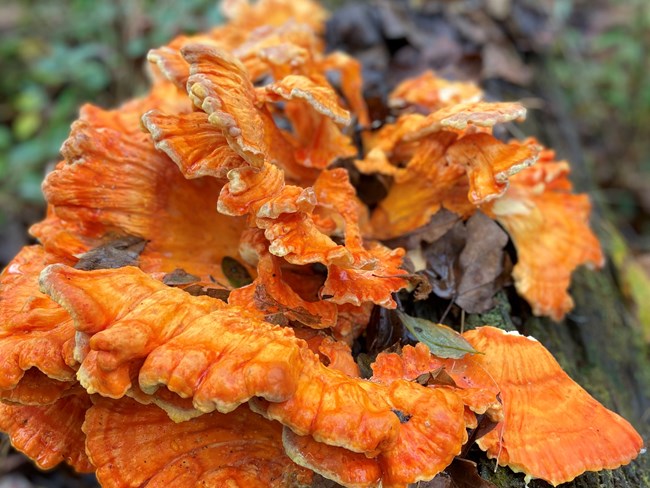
[(553, 429), (133, 445), (49, 434)]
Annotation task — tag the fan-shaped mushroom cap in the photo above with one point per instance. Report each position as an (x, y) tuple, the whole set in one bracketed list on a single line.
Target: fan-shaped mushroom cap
[(427, 183), (553, 429), (489, 163), (196, 146), (438, 441), (278, 51), (134, 445), (49, 434), (473, 383), (334, 354), (347, 468), (428, 92), (376, 285), (549, 226), (148, 198), (221, 87), (35, 388), (321, 98), (351, 82), (36, 334), (459, 117), (272, 295), (248, 189), (223, 359)]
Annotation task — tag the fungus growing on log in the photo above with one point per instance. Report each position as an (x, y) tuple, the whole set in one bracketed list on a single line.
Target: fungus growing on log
[(209, 264)]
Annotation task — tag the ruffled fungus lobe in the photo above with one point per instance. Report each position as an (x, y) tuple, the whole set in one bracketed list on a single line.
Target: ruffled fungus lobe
[(36, 334), (49, 434), (239, 449), (553, 429), (347, 468), (193, 143), (549, 226), (192, 357), (428, 93), (149, 198), (278, 295), (220, 86), (473, 383)]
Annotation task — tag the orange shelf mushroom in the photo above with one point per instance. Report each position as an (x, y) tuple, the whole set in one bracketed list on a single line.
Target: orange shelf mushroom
[(239, 449), (172, 343), (549, 226), (130, 348), (49, 434), (552, 428)]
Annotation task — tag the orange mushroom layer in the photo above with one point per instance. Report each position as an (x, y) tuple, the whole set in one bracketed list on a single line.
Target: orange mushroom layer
[(192, 357), (552, 428), (133, 445)]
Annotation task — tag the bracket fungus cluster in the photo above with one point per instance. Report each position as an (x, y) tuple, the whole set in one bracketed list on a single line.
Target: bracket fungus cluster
[(207, 266)]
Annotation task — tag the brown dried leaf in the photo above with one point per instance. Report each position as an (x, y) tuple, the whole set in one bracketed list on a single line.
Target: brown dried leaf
[(465, 475), (264, 301), (197, 290), (120, 252), (466, 264), (441, 223), (179, 277)]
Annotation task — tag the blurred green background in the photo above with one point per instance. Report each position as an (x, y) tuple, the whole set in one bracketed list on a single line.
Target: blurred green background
[(57, 54)]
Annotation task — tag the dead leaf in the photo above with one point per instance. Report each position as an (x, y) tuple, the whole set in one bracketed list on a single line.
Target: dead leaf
[(441, 223), (422, 286), (120, 252), (467, 263), (179, 277), (484, 426), (198, 289), (464, 474), (280, 314), (501, 60), (438, 377)]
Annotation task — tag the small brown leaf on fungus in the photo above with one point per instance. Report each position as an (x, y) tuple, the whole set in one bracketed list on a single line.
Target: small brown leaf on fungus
[(484, 426), (464, 474), (180, 277), (441, 223), (198, 289), (422, 286), (436, 377), (117, 253), (280, 314)]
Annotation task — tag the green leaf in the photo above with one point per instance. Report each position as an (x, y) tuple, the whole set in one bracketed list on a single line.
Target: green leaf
[(441, 340)]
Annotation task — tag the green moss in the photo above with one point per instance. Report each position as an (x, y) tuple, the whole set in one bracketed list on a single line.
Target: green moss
[(498, 316)]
